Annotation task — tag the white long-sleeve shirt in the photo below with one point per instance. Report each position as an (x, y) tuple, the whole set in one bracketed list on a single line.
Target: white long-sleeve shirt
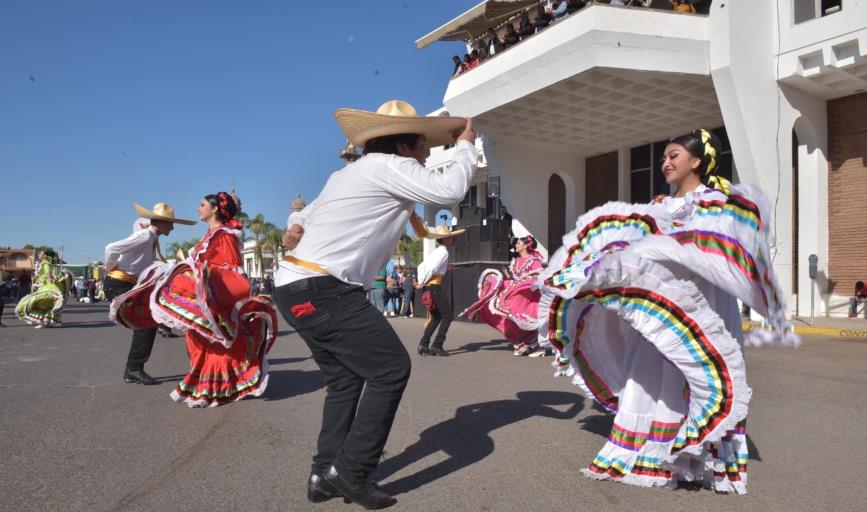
[(352, 228), (134, 253), (436, 264)]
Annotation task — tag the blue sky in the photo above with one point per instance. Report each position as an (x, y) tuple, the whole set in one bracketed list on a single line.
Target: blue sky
[(107, 103)]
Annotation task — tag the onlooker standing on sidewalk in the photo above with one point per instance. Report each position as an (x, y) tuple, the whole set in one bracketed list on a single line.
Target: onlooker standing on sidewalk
[(5, 287), (407, 286), (391, 295), (377, 290), (859, 297)]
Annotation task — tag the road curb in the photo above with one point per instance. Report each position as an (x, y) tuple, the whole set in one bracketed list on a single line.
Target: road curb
[(834, 332)]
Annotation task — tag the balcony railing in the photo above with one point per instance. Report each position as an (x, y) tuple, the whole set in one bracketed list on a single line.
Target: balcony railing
[(482, 45)]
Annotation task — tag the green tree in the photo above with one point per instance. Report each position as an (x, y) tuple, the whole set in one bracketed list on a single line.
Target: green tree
[(274, 242), (412, 250), (182, 245), (258, 226)]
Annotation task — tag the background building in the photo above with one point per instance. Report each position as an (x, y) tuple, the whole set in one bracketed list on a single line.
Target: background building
[(578, 114)]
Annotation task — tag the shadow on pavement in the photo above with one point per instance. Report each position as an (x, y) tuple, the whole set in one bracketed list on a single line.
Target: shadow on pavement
[(284, 384), (79, 325), (286, 360), (485, 345), (466, 439)]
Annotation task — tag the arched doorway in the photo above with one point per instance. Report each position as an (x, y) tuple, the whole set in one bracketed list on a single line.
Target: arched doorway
[(556, 212)]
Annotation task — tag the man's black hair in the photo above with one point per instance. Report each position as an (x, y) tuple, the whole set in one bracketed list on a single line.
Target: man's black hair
[(388, 144)]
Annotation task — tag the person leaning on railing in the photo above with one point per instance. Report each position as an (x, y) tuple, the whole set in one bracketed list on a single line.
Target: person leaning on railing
[(574, 5), (526, 28), (543, 18), (682, 6)]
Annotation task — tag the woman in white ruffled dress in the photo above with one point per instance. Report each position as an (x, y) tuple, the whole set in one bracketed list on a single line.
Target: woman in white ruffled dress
[(640, 303)]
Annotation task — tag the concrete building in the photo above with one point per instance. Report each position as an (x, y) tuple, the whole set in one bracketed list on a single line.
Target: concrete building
[(268, 265), (17, 261), (578, 114)]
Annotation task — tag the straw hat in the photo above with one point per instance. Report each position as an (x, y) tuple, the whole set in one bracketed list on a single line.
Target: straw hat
[(442, 231), (161, 211), (394, 117)]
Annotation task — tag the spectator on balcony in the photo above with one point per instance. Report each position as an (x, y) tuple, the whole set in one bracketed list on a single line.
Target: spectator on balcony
[(511, 37), (526, 28), (482, 49), (495, 42), (574, 5), (559, 9), (859, 297), (474, 60), (682, 6), (543, 18), (458, 65)]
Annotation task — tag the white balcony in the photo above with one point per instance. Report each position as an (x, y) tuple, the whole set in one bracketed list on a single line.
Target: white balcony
[(588, 81)]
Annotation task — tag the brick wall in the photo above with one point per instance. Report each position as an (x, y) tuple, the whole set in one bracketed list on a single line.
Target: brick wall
[(847, 192)]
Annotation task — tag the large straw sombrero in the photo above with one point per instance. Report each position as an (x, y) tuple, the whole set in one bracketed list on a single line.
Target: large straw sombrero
[(442, 231), (161, 211), (394, 117)]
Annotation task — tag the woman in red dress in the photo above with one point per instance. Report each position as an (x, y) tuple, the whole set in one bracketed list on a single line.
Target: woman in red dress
[(228, 332)]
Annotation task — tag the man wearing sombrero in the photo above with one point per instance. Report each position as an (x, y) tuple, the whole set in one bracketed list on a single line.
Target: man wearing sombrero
[(124, 262), (431, 273), (346, 235)]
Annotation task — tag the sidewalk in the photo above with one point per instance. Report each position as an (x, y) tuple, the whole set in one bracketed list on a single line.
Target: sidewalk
[(854, 328)]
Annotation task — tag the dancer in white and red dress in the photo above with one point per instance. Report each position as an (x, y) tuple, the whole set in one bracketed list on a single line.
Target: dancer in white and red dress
[(640, 300), (228, 332)]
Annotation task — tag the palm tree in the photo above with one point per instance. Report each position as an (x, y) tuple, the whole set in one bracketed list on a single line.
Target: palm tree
[(244, 219), (182, 245), (410, 249), (258, 226), (274, 242)]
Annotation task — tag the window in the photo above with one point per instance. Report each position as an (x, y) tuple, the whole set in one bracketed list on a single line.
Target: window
[(472, 197), (806, 10), (640, 174), (647, 180)]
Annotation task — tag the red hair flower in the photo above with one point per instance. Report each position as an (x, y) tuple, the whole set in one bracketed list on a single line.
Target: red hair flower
[(302, 310)]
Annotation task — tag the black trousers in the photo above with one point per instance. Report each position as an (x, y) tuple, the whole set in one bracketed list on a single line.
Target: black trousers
[(442, 316), (365, 365), (142, 339)]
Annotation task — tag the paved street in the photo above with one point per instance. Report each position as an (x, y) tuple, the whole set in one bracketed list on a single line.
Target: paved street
[(482, 430)]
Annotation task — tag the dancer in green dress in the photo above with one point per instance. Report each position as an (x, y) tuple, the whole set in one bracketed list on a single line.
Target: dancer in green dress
[(44, 305)]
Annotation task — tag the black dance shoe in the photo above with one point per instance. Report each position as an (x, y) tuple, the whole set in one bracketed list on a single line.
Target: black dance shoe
[(138, 376), (424, 350), (319, 490), (438, 351), (364, 493)]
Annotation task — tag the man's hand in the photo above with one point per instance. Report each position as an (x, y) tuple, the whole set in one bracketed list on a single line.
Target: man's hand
[(468, 134), (292, 236), (419, 286)]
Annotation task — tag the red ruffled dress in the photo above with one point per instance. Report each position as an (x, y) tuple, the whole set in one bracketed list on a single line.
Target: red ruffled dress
[(228, 333)]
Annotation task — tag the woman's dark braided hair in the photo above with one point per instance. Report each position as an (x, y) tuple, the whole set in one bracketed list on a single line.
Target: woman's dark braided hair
[(705, 146)]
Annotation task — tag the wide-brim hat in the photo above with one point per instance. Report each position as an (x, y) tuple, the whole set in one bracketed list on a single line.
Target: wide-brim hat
[(395, 117), (442, 231), (161, 211)]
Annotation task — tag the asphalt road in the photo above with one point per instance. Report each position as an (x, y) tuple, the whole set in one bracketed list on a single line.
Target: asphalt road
[(481, 430)]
